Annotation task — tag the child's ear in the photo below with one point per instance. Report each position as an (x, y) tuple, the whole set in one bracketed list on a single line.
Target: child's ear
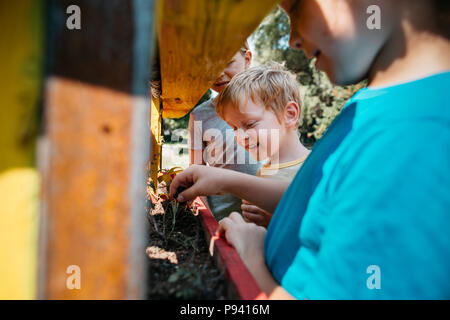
[(291, 114), (248, 59)]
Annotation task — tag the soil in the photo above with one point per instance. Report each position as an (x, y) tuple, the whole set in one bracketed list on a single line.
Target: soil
[(180, 266)]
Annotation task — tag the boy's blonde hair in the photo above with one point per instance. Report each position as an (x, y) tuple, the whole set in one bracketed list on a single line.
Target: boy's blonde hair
[(272, 85)]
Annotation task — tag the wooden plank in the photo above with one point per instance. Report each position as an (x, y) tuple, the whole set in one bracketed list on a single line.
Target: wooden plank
[(97, 126), (21, 53), (196, 40)]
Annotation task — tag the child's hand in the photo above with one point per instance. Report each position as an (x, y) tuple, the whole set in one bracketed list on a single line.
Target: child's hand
[(198, 180), (246, 238), (252, 213)]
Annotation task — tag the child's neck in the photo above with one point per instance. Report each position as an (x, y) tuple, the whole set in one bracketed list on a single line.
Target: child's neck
[(410, 55), (291, 149)]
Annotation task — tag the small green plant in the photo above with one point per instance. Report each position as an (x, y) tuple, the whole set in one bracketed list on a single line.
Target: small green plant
[(174, 204), (161, 204)]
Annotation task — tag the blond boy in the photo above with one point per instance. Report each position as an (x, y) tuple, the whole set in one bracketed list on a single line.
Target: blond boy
[(263, 106)]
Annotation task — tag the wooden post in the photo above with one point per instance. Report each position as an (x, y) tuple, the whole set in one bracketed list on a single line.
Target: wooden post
[(97, 126), (21, 52), (156, 153)]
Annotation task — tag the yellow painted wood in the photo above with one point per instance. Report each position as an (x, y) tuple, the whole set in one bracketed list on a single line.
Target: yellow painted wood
[(21, 47), (197, 38), (155, 127), (19, 205)]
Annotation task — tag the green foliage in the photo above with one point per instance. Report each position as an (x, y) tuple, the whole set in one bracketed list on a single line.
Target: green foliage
[(322, 101)]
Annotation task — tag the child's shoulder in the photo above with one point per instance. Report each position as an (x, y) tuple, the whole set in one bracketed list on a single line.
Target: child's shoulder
[(206, 113), (207, 106)]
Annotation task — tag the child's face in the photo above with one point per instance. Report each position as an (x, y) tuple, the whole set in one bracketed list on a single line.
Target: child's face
[(257, 129), (336, 33), (237, 64)]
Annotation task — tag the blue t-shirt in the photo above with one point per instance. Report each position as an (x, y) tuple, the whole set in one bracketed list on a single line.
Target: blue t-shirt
[(368, 214)]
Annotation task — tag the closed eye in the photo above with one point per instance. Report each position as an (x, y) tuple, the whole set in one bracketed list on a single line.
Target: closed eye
[(229, 63), (250, 124)]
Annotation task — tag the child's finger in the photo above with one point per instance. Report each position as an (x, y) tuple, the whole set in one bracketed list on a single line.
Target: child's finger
[(251, 208), (236, 217), (252, 217), (223, 224), (227, 228), (188, 194), (176, 182), (220, 230), (183, 180)]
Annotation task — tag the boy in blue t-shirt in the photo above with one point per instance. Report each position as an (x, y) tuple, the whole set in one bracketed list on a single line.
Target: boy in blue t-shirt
[(368, 214)]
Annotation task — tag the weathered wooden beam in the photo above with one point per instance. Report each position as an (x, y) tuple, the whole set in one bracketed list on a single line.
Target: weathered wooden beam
[(97, 126), (196, 40)]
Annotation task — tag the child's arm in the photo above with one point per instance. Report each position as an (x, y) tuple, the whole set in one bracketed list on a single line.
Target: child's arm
[(195, 142), (206, 181)]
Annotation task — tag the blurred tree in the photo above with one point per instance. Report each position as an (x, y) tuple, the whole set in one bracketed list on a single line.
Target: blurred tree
[(322, 101)]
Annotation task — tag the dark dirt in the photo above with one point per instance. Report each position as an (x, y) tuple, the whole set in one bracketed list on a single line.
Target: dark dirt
[(180, 266)]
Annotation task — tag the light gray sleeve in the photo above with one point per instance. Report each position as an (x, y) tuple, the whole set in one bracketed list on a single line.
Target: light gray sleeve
[(195, 140)]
